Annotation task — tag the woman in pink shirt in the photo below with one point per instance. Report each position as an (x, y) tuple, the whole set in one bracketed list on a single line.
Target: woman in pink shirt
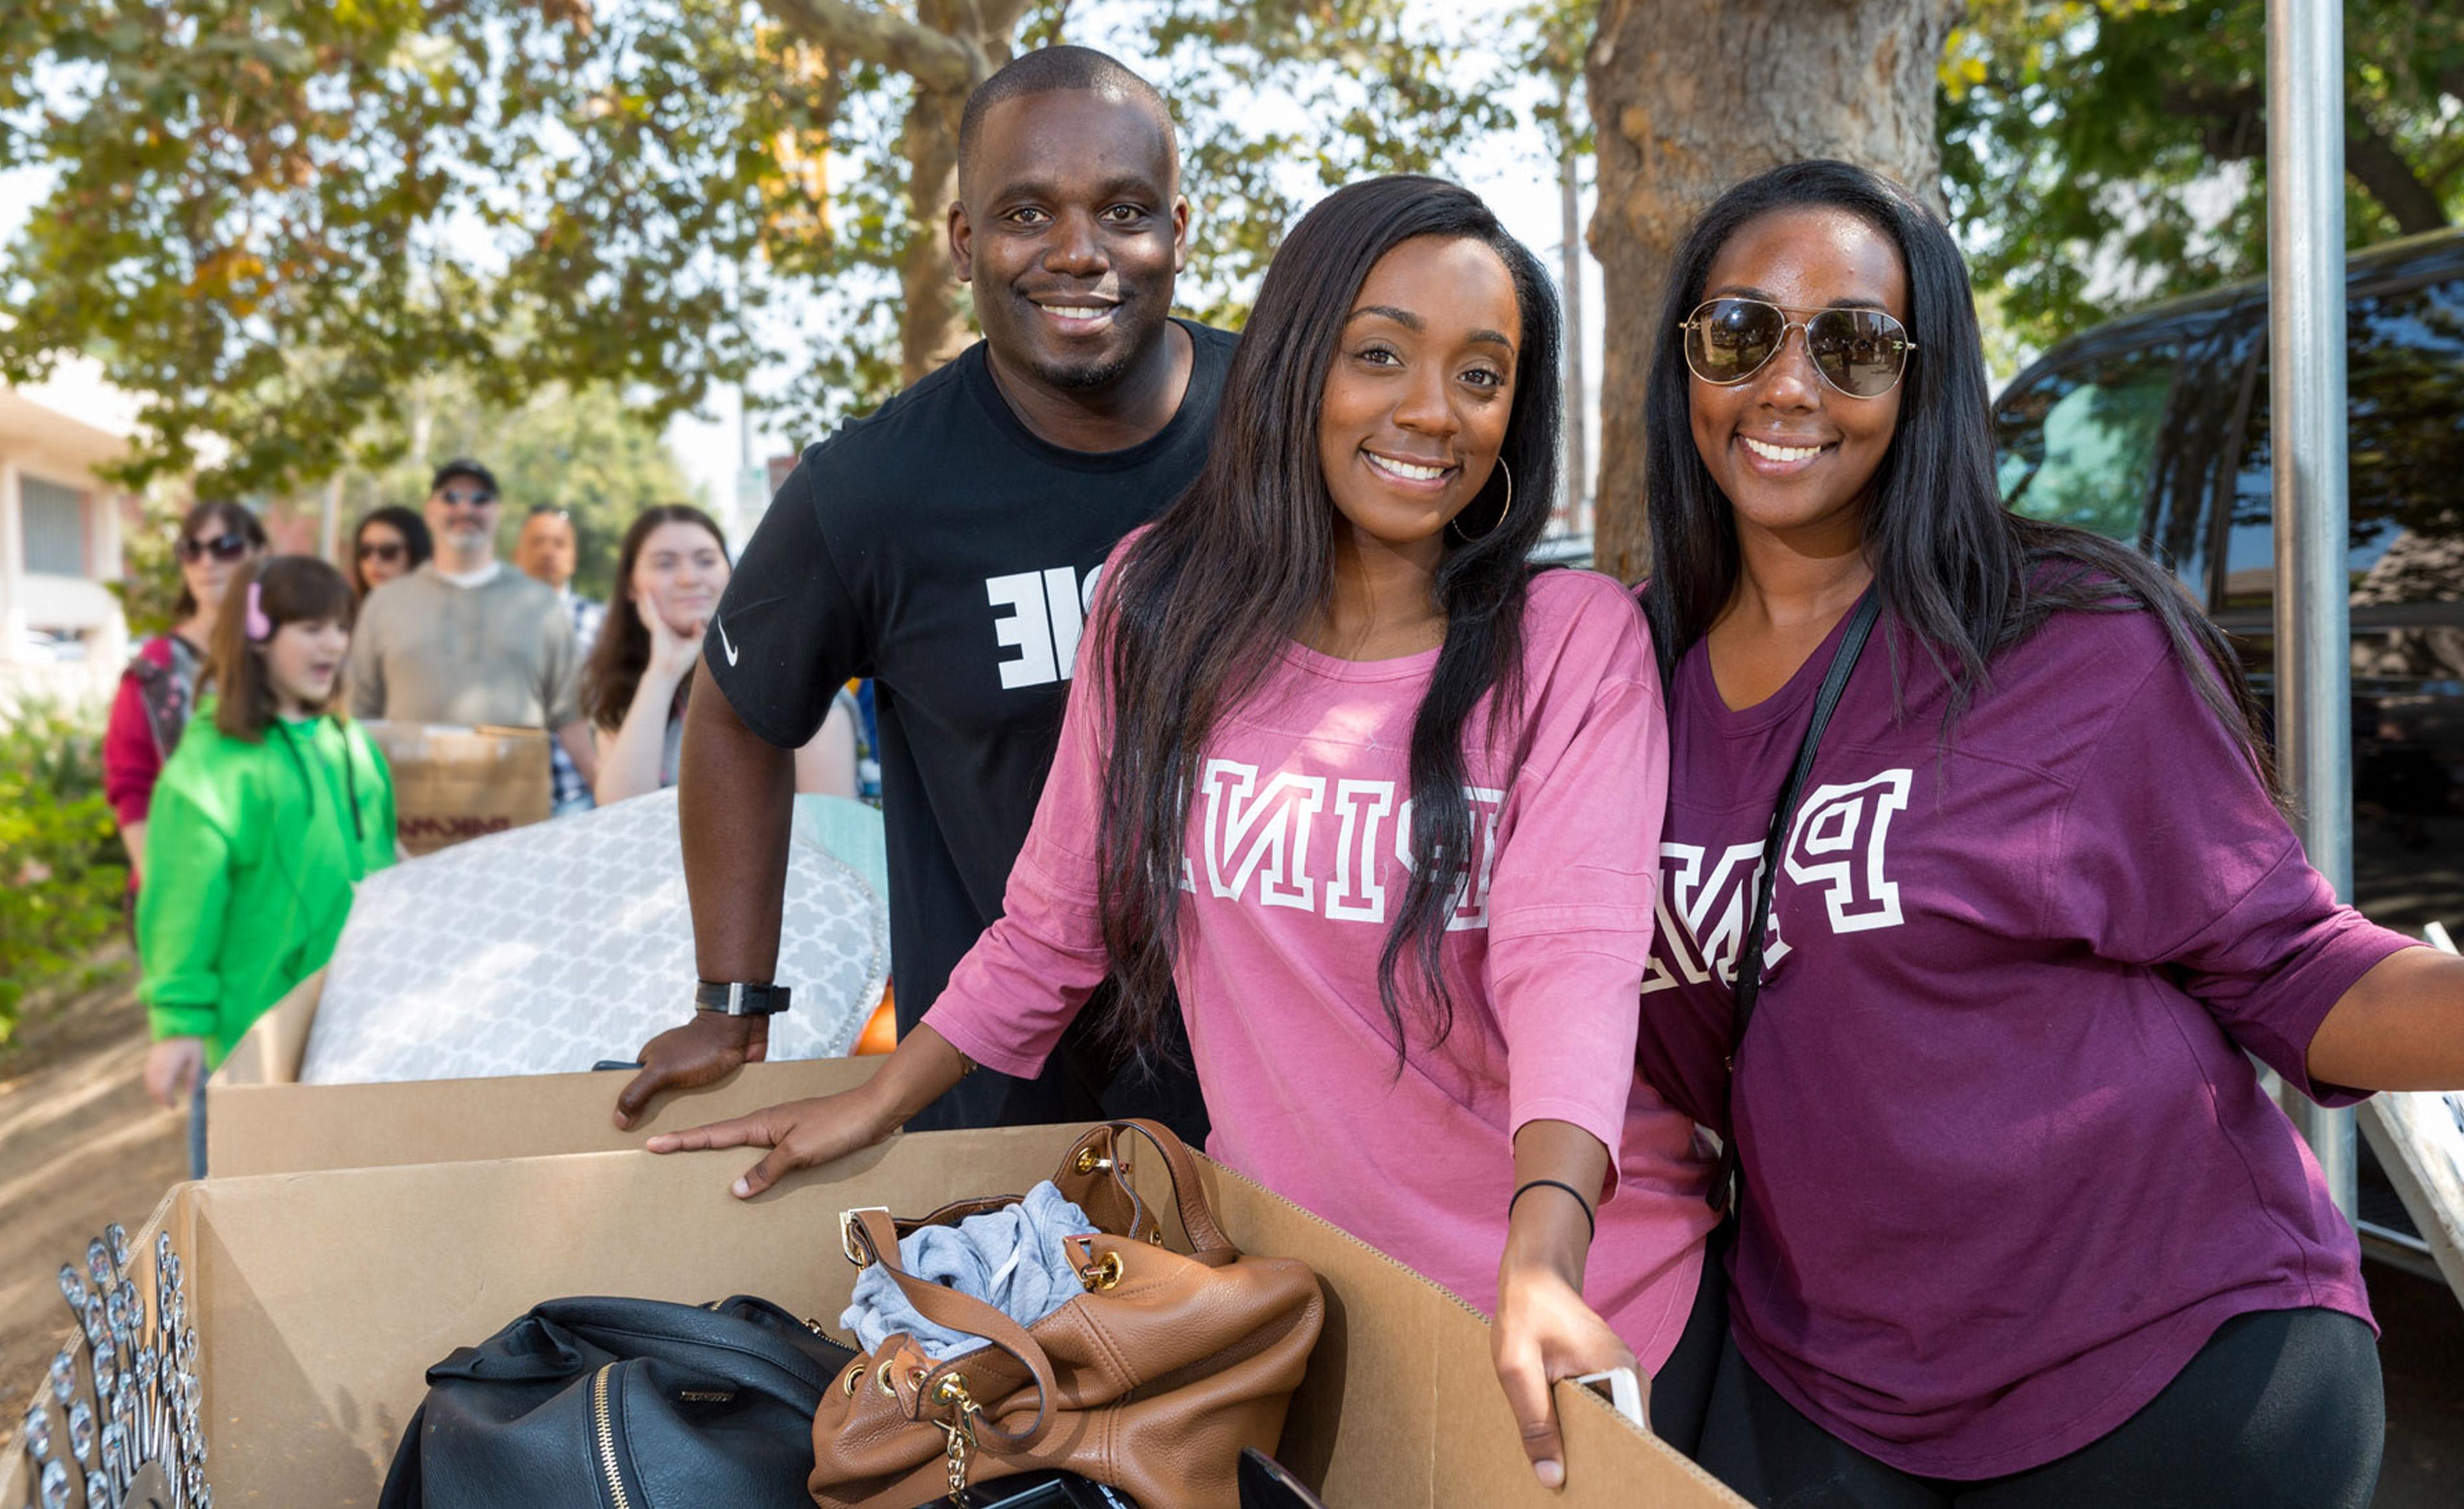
[(1376, 805)]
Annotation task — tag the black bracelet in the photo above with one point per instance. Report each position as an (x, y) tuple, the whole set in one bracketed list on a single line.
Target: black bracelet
[(1557, 1184)]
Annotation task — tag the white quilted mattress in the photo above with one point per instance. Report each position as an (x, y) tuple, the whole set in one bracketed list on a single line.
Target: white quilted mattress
[(547, 948)]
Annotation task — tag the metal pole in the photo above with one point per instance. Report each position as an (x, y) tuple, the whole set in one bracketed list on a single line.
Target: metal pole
[(2305, 333)]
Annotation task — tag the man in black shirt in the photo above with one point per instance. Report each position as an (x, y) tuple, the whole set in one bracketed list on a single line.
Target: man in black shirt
[(948, 546)]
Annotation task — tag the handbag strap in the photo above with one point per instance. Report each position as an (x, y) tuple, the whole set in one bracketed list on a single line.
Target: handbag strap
[(1748, 986), (1206, 1238), (947, 1307)]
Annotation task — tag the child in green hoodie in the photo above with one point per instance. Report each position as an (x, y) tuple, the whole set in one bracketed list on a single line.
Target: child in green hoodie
[(267, 816)]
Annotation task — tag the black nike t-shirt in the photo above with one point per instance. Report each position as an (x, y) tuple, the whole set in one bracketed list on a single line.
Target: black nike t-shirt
[(946, 551)]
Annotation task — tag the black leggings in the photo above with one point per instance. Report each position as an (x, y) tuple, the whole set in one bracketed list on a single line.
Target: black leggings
[(2280, 1408), (1680, 1391)]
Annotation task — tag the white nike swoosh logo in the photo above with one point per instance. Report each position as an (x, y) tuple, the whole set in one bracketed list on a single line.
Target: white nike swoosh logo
[(722, 641)]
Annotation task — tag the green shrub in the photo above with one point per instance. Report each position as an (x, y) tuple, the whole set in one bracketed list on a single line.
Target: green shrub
[(62, 869)]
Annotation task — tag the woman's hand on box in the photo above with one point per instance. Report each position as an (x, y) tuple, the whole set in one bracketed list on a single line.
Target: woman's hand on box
[(800, 1134), (172, 1067), (1544, 1333)]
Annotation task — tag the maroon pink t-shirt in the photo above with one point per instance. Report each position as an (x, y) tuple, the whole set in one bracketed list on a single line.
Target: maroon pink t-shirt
[(2009, 1165), (1299, 835)]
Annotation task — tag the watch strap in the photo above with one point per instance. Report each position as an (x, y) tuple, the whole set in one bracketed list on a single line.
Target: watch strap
[(740, 998)]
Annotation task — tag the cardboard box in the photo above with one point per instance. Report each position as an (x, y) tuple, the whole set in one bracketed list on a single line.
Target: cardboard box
[(260, 1121), (453, 783), (321, 1299)]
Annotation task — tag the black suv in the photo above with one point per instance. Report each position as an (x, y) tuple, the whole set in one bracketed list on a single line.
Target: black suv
[(2153, 430)]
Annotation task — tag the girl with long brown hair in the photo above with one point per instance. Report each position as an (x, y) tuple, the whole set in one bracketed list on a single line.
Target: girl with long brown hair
[(669, 572)]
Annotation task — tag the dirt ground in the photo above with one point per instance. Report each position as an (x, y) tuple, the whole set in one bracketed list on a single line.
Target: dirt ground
[(81, 1146)]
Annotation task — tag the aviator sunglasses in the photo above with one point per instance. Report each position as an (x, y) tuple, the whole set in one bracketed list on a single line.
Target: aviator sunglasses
[(388, 551), (225, 547), (1862, 352)]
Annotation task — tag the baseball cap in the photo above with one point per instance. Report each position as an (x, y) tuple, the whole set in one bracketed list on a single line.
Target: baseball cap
[(464, 466)]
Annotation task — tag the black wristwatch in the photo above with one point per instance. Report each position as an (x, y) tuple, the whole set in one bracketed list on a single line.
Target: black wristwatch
[(741, 998)]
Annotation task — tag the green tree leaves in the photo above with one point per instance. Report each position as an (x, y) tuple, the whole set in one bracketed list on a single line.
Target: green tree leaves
[(2102, 153), (62, 870), (275, 219), (270, 217)]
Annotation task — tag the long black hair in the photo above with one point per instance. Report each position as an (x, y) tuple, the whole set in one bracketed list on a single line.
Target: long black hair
[(1199, 606), (1968, 577)]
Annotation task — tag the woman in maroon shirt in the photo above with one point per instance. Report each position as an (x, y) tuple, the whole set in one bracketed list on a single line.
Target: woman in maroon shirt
[(157, 690), (2017, 1224)]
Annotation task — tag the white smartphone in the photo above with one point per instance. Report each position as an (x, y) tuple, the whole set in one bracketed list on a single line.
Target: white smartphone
[(1622, 1389)]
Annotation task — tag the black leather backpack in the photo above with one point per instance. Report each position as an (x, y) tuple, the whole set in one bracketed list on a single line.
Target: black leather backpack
[(634, 1404)]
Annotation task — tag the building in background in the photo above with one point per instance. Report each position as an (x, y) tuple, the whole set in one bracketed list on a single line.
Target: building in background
[(61, 632)]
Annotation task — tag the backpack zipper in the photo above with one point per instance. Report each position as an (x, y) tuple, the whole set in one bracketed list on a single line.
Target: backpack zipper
[(603, 1423)]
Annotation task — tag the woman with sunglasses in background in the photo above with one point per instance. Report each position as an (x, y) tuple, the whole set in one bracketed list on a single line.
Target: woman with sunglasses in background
[(1371, 804), (215, 542), (267, 816), (2017, 1224), (392, 541)]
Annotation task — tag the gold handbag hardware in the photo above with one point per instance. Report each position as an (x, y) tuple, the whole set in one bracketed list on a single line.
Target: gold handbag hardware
[(1105, 1273), (953, 1390), (1088, 1161), (852, 1243)]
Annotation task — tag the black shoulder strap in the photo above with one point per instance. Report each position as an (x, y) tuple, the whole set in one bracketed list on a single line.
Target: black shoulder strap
[(1750, 958)]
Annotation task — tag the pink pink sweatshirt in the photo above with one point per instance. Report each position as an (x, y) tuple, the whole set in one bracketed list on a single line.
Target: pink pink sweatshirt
[(1293, 869)]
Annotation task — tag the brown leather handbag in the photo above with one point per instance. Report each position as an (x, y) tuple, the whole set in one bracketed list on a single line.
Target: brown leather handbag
[(1151, 1381)]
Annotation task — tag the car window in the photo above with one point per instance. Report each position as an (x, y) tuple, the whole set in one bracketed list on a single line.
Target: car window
[(2404, 450), (2078, 445)]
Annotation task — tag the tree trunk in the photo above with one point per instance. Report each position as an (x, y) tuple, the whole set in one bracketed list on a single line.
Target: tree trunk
[(1577, 490), (1687, 98), (930, 328), (950, 47)]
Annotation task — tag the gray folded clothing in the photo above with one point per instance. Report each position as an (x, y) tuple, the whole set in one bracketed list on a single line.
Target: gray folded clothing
[(1010, 1258)]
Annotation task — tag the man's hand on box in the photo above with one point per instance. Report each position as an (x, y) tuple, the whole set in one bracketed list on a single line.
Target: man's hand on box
[(711, 1046), (799, 1134)]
